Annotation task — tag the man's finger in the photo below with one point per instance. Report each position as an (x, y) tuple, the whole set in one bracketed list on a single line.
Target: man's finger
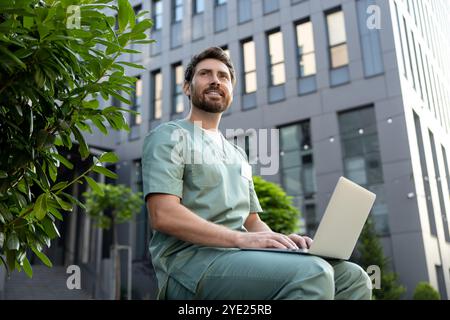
[(309, 241), (299, 240)]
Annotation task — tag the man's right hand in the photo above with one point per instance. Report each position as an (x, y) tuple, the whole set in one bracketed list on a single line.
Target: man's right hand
[(265, 239)]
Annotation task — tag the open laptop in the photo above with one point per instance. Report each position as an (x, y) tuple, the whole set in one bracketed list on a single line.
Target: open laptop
[(341, 223)]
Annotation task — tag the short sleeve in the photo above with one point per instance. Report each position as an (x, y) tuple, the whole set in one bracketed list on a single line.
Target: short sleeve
[(162, 161), (254, 202)]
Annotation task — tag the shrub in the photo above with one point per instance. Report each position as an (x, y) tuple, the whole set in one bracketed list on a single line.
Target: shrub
[(279, 213), (424, 291)]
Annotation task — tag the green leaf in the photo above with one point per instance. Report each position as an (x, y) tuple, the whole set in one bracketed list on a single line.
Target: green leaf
[(59, 185), (104, 171), (55, 213), (133, 65), (109, 157), (97, 120), (64, 205), (50, 228), (40, 207), (12, 56), (83, 148), (92, 104), (63, 160), (3, 174), (13, 242), (27, 267), (42, 257), (125, 13), (93, 184), (142, 26)]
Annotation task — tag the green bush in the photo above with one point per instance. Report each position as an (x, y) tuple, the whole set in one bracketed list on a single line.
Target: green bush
[(424, 291), (279, 213)]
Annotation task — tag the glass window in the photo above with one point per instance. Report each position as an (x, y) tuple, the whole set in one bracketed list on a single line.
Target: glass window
[(157, 14), (244, 10), (157, 95), (297, 168), (276, 58), (270, 6), (137, 101), (370, 41), (249, 56), (199, 6), (337, 40), (361, 156), (177, 13), (178, 88), (305, 49)]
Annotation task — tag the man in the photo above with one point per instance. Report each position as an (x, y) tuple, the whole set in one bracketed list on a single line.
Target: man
[(203, 208)]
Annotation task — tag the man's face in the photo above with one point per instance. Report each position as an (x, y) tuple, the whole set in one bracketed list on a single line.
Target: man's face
[(211, 89)]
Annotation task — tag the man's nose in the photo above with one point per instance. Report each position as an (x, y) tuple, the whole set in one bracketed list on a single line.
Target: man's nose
[(214, 79)]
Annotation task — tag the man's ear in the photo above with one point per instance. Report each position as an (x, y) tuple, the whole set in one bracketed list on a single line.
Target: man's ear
[(187, 89)]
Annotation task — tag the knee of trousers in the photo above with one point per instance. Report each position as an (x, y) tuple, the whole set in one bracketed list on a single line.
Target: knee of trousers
[(317, 281), (357, 276)]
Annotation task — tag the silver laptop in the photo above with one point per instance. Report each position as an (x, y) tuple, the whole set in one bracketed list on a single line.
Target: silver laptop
[(341, 223)]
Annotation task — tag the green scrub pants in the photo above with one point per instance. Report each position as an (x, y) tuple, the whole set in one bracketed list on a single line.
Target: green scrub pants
[(257, 275)]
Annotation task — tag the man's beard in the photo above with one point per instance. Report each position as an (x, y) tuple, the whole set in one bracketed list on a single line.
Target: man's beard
[(217, 106)]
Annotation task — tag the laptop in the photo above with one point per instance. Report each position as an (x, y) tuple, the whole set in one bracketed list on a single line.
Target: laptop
[(341, 223)]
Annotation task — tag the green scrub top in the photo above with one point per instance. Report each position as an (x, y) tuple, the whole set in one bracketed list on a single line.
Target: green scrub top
[(179, 158)]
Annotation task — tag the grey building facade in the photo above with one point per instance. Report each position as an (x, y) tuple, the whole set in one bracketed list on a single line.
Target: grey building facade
[(356, 88)]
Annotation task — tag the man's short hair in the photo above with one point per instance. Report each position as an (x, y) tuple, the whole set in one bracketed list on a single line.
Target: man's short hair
[(210, 53)]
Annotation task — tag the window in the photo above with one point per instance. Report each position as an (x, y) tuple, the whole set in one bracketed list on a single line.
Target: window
[(399, 29), (337, 40), (136, 103), (337, 47), (220, 15), (439, 182), (157, 14), (141, 219), (177, 74), (249, 56), (426, 180), (408, 47), (305, 49), (276, 59), (297, 170), (157, 94), (370, 41), (306, 57), (176, 31), (277, 76), (249, 83), (199, 6), (177, 11), (362, 160), (244, 10), (270, 6)]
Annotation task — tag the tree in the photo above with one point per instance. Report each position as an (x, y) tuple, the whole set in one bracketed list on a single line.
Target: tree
[(122, 204), (56, 59), (371, 253), (424, 291), (279, 213)]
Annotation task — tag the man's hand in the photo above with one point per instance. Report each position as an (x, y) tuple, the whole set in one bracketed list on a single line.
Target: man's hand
[(266, 239), (301, 241)]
